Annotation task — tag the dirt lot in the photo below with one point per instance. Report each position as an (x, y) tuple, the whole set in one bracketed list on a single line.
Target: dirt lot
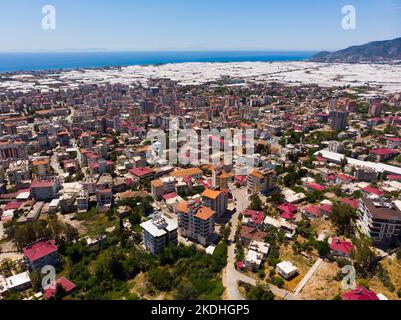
[(322, 285), (321, 225), (393, 266), (302, 263)]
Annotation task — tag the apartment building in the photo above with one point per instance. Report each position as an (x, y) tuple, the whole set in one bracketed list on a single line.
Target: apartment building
[(158, 233), (41, 167), (86, 141), (40, 254), (215, 200), (260, 181), (45, 189), (162, 186), (380, 220), (196, 221), (18, 171), (13, 150)]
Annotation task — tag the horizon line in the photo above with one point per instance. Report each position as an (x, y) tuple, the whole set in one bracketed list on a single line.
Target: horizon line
[(155, 50)]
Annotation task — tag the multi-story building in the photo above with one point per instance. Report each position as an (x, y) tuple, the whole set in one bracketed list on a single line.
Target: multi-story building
[(40, 254), (375, 109), (13, 150), (82, 201), (86, 141), (260, 181), (366, 174), (161, 186), (45, 189), (215, 200), (104, 198), (338, 120), (196, 221), (18, 171), (380, 220), (159, 233), (41, 167)]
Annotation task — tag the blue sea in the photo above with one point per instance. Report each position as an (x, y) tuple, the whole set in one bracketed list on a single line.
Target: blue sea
[(39, 61)]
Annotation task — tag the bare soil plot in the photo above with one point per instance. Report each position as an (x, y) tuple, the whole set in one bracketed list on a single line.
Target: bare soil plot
[(301, 262), (322, 285)]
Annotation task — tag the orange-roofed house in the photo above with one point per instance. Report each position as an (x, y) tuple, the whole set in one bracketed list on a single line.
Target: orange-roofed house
[(157, 189), (215, 200), (196, 221), (195, 173)]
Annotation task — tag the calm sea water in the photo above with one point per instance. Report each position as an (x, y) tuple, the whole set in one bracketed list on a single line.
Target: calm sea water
[(12, 62)]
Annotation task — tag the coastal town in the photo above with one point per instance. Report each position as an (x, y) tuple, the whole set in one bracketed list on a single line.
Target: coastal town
[(317, 216)]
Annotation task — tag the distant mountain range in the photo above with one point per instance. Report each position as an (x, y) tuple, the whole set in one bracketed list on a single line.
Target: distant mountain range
[(377, 51)]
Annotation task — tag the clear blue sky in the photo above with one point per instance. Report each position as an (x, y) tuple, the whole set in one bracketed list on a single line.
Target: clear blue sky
[(195, 24)]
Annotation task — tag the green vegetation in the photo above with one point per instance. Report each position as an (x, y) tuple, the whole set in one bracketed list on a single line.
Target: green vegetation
[(259, 292), (256, 203), (343, 217), (51, 228)]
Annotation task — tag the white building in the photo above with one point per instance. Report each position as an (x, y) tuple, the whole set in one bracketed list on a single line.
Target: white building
[(196, 221), (253, 259), (19, 282), (159, 233), (286, 269)]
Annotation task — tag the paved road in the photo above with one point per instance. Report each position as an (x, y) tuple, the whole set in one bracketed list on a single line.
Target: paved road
[(307, 277), (231, 276), (55, 165)]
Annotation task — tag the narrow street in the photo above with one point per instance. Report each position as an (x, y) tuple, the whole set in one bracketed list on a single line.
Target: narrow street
[(1, 230), (55, 165), (231, 275)]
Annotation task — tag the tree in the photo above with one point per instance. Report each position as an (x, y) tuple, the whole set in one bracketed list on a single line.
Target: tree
[(277, 197), (278, 281), (60, 292), (259, 292), (363, 255), (36, 280), (343, 216), (256, 203), (323, 249), (162, 279)]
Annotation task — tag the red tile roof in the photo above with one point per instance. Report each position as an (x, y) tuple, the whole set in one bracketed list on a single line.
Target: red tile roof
[(170, 196), (372, 190), (384, 152), (42, 184), (351, 202), (256, 216), (313, 211), (288, 216), (140, 172), (316, 187), (360, 293), (288, 208), (341, 245), (13, 205), (40, 250), (394, 177), (65, 283)]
